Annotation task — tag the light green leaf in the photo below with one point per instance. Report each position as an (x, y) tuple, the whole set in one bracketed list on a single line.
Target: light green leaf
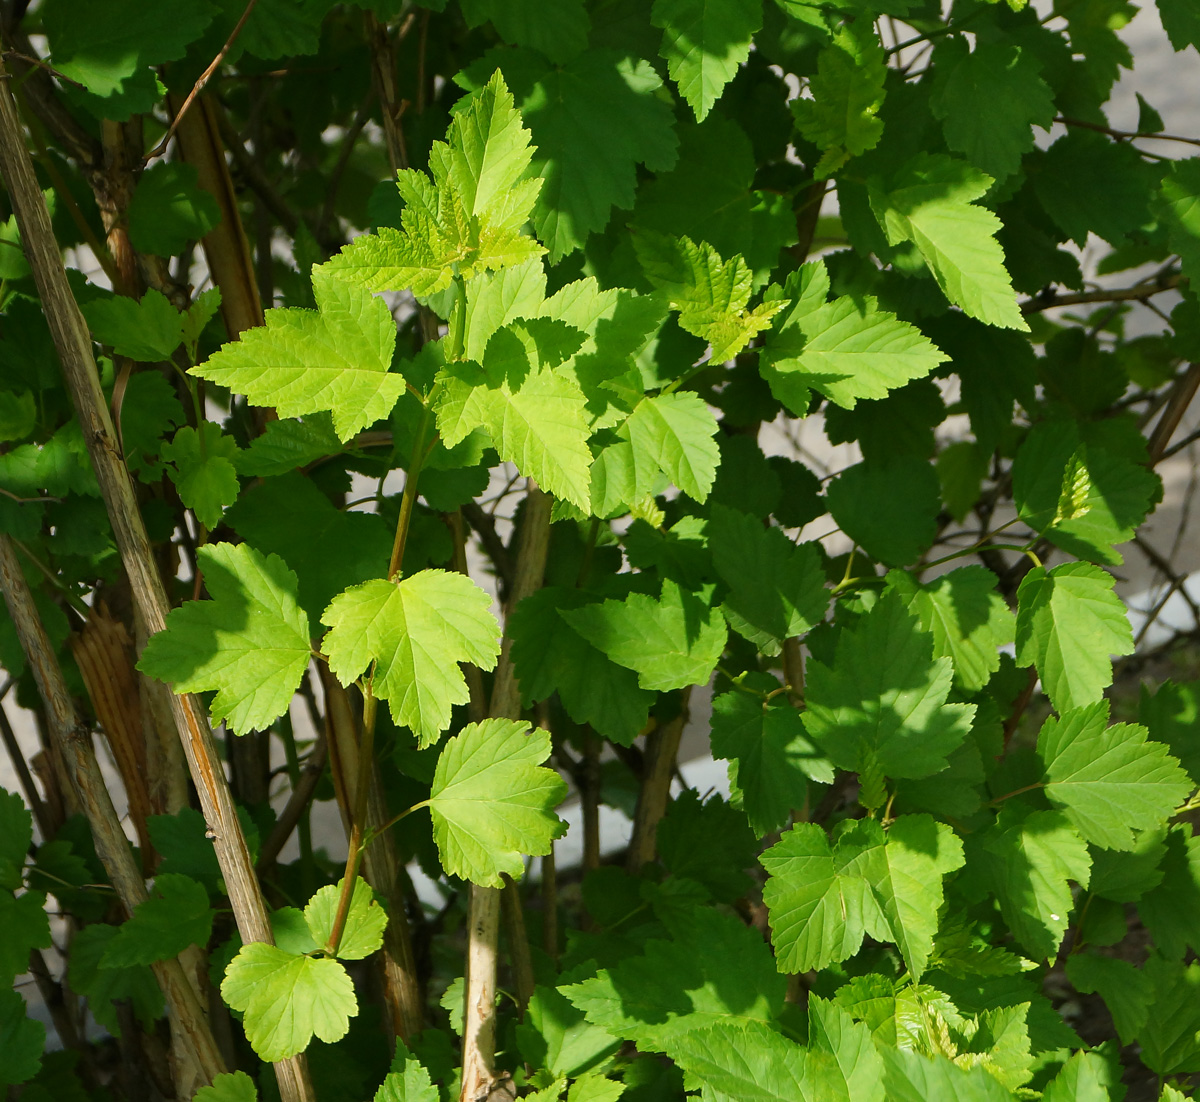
[(847, 349), (776, 587), (842, 118), (748, 1062), (413, 634), (229, 1087), (704, 42), (911, 1077), (303, 361), (819, 897), (556, 1036), (989, 100), (1109, 780), (883, 701), (1031, 859), (1085, 1077), (930, 204), (670, 643), (365, 919), (1069, 621), (832, 1030), (770, 757), (175, 916), (204, 471), (468, 219), (287, 999), (551, 656), (710, 294), (407, 1083), (492, 801), (250, 642), (966, 616), (673, 433), (594, 1087), (593, 120), (496, 298)]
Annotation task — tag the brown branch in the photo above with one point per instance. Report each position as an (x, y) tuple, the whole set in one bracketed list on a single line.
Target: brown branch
[(74, 347), (75, 743), (1124, 135), (484, 525), (1139, 291), (302, 793), (1181, 397), (662, 745), (33, 798)]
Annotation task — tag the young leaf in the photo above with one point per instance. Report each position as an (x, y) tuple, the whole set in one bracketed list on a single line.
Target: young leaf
[(776, 588), (710, 294), (884, 699), (412, 634), (1069, 621), (770, 757), (303, 361), (175, 916), (842, 118), (410, 1084), (847, 349), (287, 999), (989, 100), (230, 1087), (673, 433), (204, 470), (365, 920), (551, 656), (493, 802), (968, 619), (469, 218), (1109, 780), (912, 1077), (930, 204), (1031, 859), (250, 642), (671, 643), (704, 42)]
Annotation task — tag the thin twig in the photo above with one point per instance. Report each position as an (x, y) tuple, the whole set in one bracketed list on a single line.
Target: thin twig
[(1052, 299), (198, 87), (1124, 135)]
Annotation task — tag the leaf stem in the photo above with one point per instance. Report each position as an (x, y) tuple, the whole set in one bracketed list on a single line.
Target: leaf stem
[(366, 757), (1016, 792), (456, 332), (372, 835), (410, 496)]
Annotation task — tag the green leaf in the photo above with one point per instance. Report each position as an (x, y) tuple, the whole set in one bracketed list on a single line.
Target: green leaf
[(560, 31), (413, 634), (365, 919), (1085, 1077), (832, 1030), (911, 1077), (593, 120), (493, 802), (770, 757), (328, 548), (250, 642), (169, 209), (819, 896), (287, 444), (21, 1040), (104, 48), (748, 1062), (714, 970), (1171, 911), (25, 926), (776, 587), (1181, 21), (303, 361), (989, 100), (842, 118), (1109, 780), (673, 433), (1030, 861), (556, 1036), (229, 1087), (967, 617), (1079, 494), (1172, 715), (929, 203), (704, 42), (888, 507), (1125, 989), (16, 836), (847, 349), (671, 643), (919, 853), (147, 331), (1181, 211), (1069, 621), (469, 218), (535, 415), (286, 999), (203, 470), (883, 702), (551, 656), (1170, 1041), (710, 294), (175, 916), (103, 987), (411, 1083), (707, 841)]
